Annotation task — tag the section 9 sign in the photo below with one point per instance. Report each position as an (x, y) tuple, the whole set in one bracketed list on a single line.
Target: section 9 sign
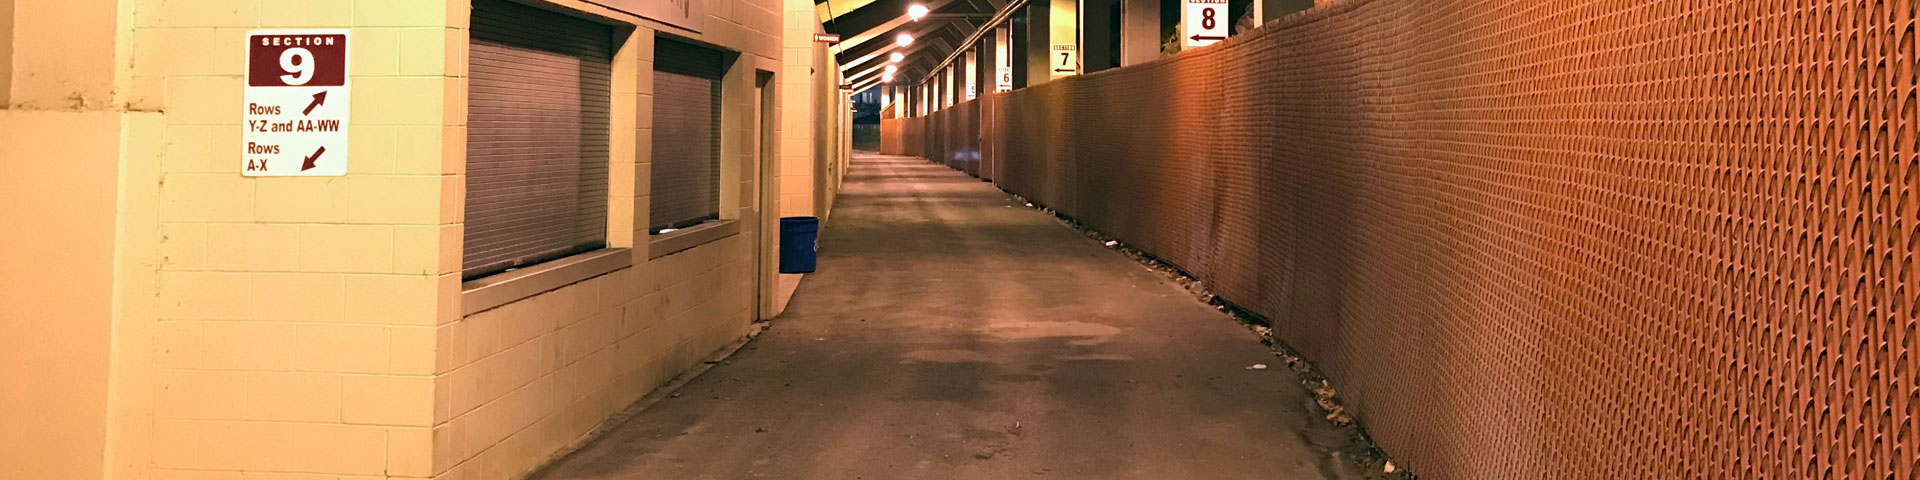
[(1205, 22), (296, 104)]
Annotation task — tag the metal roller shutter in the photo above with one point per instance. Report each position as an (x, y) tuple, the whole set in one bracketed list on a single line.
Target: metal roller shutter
[(539, 93), (686, 139)]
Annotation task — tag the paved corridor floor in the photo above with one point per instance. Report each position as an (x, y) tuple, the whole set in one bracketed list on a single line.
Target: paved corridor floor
[(952, 333)]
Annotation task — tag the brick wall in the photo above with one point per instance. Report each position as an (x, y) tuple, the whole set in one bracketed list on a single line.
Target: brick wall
[(1587, 239)]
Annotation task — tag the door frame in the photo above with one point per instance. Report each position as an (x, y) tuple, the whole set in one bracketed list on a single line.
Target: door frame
[(767, 272)]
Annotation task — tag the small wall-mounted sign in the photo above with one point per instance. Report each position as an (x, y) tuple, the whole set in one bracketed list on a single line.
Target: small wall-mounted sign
[(827, 38), (296, 104), (1205, 23), (1065, 59)]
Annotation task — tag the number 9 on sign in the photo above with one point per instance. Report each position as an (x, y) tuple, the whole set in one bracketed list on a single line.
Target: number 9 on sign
[(298, 63)]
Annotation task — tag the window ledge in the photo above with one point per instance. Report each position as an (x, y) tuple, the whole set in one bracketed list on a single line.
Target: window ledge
[(677, 241), (484, 293)]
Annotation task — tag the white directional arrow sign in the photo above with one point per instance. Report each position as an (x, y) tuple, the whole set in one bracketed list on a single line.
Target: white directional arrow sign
[(1205, 22)]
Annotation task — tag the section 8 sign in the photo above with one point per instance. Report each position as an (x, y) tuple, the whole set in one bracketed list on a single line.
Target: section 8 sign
[(1204, 23), (296, 104)]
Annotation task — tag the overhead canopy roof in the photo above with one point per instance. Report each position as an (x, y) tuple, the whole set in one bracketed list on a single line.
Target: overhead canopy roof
[(867, 29)]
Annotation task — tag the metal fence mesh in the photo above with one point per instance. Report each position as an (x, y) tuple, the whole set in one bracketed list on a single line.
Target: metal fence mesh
[(1574, 239)]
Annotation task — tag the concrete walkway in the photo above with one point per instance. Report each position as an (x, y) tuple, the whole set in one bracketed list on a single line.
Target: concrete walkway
[(952, 333)]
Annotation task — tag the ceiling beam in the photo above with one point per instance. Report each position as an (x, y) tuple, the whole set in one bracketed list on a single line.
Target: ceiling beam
[(879, 20), (831, 9), (879, 49)]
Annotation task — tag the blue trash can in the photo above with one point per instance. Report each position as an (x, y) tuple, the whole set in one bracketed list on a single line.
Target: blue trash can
[(799, 241)]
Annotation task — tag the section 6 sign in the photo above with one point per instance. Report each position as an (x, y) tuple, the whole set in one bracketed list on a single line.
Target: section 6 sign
[(1205, 22), (296, 104)]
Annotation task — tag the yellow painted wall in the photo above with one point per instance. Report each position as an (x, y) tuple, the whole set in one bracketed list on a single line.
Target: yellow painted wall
[(192, 323), (65, 145), (520, 382), (802, 54), (6, 52), (296, 318), (55, 292)]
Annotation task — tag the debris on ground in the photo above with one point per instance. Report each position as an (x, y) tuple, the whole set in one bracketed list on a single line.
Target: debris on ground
[(1367, 453), (1257, 366), (1323, 395)]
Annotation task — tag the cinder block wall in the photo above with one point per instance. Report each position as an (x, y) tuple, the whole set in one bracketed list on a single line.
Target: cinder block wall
[(798, 112), (298, 319), (516, 384), (168, 318), (1592, 240)]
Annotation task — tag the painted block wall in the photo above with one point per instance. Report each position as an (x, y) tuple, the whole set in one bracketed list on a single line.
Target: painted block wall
[(519, 383), (297, 318), (801, 54), (198, 324)]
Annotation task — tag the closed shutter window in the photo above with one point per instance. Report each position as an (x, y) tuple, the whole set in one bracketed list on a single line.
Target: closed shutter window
[(686, 135), (539, 93)]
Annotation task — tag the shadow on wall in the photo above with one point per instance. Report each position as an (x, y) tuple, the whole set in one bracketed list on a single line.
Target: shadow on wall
[(1535, 235)]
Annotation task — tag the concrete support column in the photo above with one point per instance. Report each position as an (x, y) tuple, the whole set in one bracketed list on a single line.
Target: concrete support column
[(1063, 56), (1020, 48), (1099, 22), (970, 76), (1140, 31), (899, 101), (1038, 32), (984, 76), (954, 84), (1268, 10)]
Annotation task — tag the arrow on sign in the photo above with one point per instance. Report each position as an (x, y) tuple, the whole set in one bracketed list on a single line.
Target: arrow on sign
[(318, 99), (308, 164), (1206, 37), (1063, 70)]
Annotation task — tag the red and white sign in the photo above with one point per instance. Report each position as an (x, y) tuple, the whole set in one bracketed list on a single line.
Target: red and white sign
[(1002, 62), (1204, 23), (295, 114)]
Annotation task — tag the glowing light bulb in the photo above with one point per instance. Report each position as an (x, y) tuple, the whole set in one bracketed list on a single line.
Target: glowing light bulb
[(903, 40), (896, 57), (886, 77), (916, 11), (890, 69)]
